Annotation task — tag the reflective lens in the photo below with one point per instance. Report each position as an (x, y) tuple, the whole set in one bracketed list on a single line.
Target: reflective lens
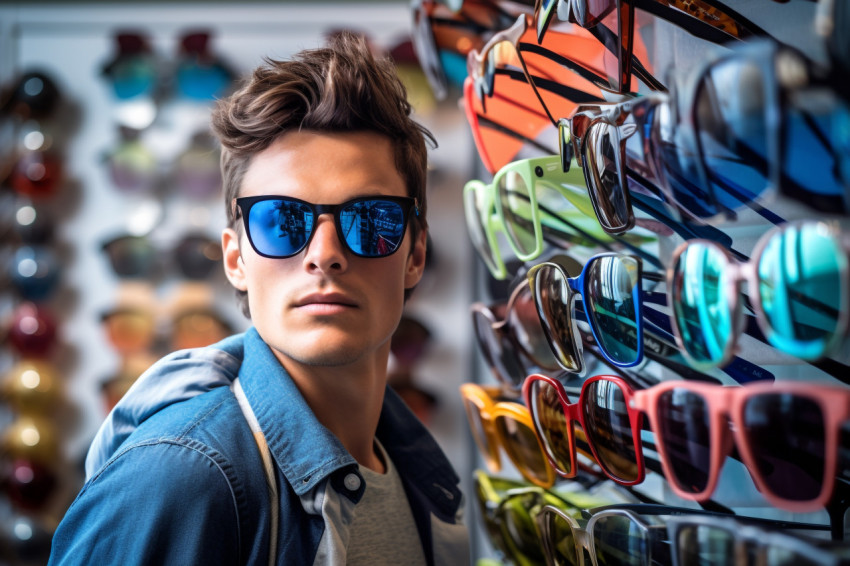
[(478, 209), (519, 525), (802, 294), (498, 350), (551, 423), (282, 227), (518, 211), (701, 303), (559, 540), (619, 540), (481, 435), (787, 435), (732, 126), (521, 444), (612, 297), (602, 173), (609, 430), (683, 426), (554, 304)]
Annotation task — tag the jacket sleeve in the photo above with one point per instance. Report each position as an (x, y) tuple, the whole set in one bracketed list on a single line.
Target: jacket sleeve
[(156, 503)]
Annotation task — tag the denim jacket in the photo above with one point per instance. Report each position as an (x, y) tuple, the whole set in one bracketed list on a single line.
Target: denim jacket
[(175, 475)]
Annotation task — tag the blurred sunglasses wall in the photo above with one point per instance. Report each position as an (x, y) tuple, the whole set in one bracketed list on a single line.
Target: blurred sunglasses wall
[(111, 213)]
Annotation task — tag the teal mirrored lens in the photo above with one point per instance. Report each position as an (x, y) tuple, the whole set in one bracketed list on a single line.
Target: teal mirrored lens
[(619, 540), (612, 296), (701, 305), (279, 228), (705, 545), (800, 282)]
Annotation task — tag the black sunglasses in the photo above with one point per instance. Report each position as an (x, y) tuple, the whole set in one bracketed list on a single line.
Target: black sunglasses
[(280, 227)]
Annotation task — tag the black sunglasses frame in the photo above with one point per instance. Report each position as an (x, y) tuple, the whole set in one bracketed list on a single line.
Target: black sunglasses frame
[(244, 204)]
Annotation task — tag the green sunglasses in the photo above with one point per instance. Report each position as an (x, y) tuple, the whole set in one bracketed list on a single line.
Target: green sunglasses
[(509, 509), (530, 201)]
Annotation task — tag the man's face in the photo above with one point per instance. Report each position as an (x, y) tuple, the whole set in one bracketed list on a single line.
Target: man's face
[(325, 306)]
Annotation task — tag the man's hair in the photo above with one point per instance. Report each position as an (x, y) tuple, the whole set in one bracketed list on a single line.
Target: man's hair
[(341, 87)]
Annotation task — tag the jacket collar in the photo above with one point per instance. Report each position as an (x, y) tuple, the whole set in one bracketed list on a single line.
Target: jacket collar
[(307, 452)]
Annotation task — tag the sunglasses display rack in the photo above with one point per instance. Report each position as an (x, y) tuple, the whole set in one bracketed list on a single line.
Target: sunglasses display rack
[(142, 209), (669, 200), (36, 299)]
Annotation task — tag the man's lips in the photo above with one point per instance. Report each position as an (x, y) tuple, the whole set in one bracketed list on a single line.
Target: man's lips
[(328, 301)]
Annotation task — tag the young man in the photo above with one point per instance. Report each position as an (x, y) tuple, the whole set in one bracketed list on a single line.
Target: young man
[(324, 181)]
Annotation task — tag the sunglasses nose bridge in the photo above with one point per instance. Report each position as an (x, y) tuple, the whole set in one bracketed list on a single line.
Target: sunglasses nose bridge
[(325, 246)]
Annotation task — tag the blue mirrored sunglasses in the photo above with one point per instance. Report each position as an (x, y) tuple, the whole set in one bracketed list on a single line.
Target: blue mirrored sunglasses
[(280, 227)]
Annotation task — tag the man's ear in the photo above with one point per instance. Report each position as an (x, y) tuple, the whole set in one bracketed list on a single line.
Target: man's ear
[(416, 260), (234, 268)]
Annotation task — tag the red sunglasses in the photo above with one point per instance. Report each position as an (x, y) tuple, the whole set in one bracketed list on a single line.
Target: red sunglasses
[(787, 435), (604, 412)]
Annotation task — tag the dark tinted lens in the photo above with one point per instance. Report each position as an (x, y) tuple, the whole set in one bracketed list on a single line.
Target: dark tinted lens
[(559, 543), (280, 228), (684, 429), (131, 256), (799, 278), (521, 444), (612, 296), (372, 228), (608, 428), (551, 424), (787, 436), (528, 332), (731, 121), (705, 545), (198, 256), (497, 349), (619, 540), (519, 526), (553, 298), (602, 174)]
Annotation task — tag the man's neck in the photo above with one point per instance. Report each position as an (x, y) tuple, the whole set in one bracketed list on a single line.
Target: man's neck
[(347, 401)]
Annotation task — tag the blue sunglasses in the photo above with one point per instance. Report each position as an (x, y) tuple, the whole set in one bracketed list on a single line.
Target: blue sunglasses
[(280, 227)]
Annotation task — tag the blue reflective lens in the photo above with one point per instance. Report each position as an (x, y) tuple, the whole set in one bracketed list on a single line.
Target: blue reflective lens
[(280, 228), (612, 295), (372, 228)]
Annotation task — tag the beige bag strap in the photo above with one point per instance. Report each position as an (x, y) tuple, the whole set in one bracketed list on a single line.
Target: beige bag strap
[(268, 464)]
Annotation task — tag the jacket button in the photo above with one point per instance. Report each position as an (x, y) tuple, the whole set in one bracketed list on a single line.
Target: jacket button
[(352, 482)]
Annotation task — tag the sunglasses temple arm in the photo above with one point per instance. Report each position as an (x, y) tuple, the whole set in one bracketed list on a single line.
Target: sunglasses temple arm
[(635, 249), (607, 37)]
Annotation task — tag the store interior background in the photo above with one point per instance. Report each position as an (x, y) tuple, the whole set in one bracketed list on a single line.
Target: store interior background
[(72, 42)]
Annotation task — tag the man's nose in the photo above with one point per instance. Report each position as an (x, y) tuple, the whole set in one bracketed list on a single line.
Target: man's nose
[(325, 250)]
